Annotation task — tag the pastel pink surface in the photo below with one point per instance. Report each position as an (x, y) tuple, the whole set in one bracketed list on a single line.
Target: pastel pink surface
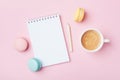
[(101, 14)]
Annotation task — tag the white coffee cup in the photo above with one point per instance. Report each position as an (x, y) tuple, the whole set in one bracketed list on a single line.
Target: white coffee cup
[(102, 40)]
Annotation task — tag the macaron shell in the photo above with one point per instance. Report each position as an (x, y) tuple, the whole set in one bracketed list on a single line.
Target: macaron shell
[(34, 65), (21, 44), (77, 14), (82, 13)]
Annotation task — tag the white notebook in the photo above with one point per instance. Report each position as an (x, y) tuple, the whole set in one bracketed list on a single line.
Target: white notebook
[(47, 40)]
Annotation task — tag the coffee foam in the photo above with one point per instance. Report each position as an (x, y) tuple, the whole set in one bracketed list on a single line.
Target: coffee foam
[(91, 40)]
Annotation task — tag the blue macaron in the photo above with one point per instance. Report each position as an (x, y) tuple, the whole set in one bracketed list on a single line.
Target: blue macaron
[(34, 64)]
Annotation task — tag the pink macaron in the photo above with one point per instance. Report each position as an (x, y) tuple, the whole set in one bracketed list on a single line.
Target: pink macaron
[(21, 44)]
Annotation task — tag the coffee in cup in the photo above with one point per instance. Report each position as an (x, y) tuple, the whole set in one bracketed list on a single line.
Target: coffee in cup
[(92, 40)]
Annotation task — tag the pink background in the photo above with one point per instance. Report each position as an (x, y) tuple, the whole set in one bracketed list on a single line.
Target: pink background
[(101, 14)]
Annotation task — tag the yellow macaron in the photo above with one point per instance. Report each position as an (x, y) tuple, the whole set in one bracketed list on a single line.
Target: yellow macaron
[(79, 15)]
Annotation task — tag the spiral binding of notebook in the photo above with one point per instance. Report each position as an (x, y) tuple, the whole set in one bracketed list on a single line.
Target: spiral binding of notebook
[(43, 18)]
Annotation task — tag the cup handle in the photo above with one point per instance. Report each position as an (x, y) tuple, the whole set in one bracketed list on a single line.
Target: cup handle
[(106, 40)]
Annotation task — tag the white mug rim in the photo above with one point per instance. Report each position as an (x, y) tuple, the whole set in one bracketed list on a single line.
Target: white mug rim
[(101, 36)]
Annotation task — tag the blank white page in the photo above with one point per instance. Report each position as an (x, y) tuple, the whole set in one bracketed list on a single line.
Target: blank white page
[(47, 40)]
